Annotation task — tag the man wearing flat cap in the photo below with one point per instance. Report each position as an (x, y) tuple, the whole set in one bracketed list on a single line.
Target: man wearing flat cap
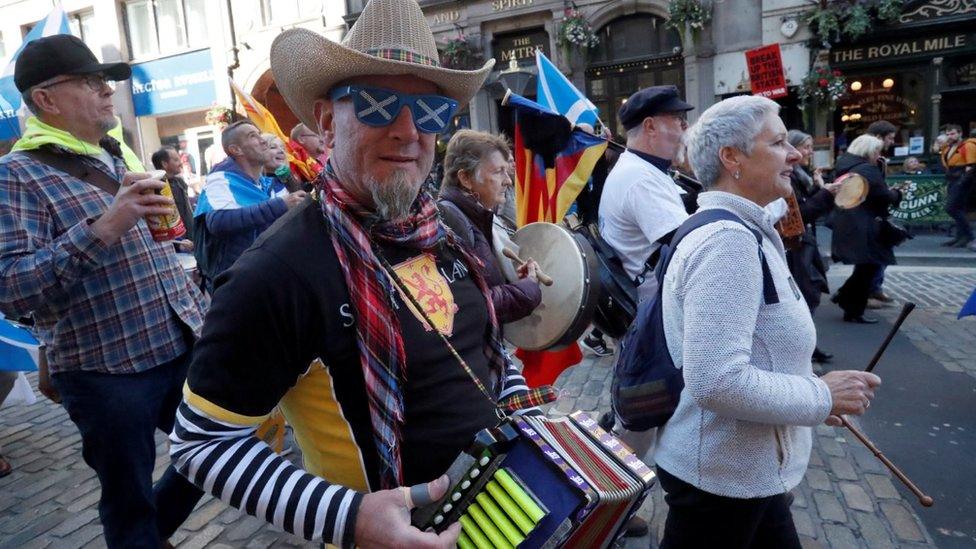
[(641, 205), (356, 312), (113, 306)]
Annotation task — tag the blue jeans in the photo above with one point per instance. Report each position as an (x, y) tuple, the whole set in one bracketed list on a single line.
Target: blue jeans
[(117, 415)]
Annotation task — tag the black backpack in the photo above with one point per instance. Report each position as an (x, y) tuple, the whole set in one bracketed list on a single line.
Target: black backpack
[(617, 302), (646, 384)]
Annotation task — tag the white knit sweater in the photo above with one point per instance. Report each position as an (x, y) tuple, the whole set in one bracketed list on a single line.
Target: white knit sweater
[(749, 385)]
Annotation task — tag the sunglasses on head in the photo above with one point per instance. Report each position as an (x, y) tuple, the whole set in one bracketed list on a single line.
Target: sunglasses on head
[(379, 107)]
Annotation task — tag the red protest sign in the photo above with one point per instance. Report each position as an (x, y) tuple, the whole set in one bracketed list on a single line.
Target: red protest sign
[(766, 72)]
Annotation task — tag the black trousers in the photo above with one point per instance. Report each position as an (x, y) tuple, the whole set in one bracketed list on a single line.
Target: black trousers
[(853, 295), (699, 519), (960, 184)]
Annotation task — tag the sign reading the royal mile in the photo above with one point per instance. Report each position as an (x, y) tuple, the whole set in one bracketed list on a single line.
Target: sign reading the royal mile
[(766, 72), (171, 84)]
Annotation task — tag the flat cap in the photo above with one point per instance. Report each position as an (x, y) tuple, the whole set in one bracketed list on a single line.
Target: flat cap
[(649, 102)]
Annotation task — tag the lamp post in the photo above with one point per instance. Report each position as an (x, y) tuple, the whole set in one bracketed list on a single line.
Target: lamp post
[(514, 78)]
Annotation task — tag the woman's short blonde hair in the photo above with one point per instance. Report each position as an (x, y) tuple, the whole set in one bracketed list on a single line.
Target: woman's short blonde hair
[(865, 146), (465, 152)]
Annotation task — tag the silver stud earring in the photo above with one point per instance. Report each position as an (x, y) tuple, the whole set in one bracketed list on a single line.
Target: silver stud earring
[(737, 174)]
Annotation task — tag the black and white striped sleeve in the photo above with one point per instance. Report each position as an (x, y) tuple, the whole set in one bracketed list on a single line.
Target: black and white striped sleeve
[(225, 459), (513, 387)]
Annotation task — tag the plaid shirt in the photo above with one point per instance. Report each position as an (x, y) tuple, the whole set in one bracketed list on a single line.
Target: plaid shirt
[(115, 309)]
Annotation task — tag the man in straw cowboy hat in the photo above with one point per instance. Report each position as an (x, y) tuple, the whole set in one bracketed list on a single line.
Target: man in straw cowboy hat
[(356, 312)]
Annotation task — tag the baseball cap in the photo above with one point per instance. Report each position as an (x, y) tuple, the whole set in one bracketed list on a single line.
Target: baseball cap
[(61, 54)]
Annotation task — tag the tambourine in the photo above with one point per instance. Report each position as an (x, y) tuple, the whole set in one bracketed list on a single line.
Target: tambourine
[(853, 191)]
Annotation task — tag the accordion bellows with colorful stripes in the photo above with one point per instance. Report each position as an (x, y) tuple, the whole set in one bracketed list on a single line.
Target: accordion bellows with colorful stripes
[(534, 482)]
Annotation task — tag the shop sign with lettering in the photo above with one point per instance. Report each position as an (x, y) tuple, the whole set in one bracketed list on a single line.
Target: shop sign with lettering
[(171, 84), (904, 48), (922, 200), (887, 106), (443, 17), (520, 46), (766, 72), (503, 5)]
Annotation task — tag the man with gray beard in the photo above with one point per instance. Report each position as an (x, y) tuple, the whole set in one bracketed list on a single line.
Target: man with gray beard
[(356, 313)]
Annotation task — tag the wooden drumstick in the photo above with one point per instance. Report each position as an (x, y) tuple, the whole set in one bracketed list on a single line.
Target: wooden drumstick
[(923, 498), (905, 311), (543, 277)]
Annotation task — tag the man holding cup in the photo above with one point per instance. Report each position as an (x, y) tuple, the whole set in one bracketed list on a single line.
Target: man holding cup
[(117, 313)]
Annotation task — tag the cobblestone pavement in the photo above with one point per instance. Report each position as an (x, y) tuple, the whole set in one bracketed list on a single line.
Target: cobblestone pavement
[(848, 499), (939, 293)]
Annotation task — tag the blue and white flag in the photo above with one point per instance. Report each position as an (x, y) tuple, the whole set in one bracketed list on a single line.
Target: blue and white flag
[(969, 308), (18, 348), (555, 91), (10, 104)]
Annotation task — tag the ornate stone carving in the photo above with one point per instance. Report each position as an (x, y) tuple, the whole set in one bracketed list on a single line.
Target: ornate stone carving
[(937, 8)]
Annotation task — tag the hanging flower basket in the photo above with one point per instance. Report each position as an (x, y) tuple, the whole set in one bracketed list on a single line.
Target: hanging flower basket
[(458, 53), (835, 20), (576, 32), (688, 14), (218, 115), (823, 87)]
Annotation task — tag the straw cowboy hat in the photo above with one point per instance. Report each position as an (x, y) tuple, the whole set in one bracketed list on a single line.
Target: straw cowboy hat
[(390, 37)]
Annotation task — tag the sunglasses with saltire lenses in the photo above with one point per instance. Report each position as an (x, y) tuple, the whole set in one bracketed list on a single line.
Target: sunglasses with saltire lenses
[(379, 107)]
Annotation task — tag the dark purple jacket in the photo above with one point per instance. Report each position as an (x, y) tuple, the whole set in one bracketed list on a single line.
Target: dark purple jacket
[(472, 222)]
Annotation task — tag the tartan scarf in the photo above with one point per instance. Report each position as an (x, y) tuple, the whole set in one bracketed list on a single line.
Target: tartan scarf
[(382, 356)]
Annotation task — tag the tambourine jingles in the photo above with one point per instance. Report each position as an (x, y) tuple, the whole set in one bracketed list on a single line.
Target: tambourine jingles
[(853, 191), (568, 304)]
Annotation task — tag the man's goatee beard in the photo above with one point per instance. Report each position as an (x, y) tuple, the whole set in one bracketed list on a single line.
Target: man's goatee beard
[(394, 196)]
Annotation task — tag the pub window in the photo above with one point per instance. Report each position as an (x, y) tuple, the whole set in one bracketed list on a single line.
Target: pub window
[(634, 37), (162, 27)]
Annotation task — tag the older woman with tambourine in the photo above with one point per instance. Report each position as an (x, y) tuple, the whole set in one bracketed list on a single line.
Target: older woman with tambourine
[(862, 235), (476, 176), (741, 334)]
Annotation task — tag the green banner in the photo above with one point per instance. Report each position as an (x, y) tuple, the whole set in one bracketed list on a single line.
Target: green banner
[(923, 199)]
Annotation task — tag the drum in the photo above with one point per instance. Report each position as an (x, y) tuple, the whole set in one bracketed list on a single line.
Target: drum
[(567, 306), (853, 191)]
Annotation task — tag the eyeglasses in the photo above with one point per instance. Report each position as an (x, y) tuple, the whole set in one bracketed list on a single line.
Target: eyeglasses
[(95, 82), (379, 107)]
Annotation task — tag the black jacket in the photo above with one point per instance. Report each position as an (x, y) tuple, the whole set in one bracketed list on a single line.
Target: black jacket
[(806, 264), (855, 239)]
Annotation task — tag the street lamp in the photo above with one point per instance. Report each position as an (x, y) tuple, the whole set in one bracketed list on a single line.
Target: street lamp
[(514, 78)]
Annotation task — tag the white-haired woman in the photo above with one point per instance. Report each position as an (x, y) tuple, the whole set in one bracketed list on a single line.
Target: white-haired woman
[(740, 437), (857, 233)]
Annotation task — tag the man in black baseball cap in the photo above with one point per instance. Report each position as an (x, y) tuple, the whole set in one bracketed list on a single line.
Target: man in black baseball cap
[(61, 54), (113, 306)]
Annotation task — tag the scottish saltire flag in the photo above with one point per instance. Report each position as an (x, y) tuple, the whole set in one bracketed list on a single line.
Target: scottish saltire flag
[(555, 91), (18, 348), (969, 309), (553, 161), (55, 23)]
